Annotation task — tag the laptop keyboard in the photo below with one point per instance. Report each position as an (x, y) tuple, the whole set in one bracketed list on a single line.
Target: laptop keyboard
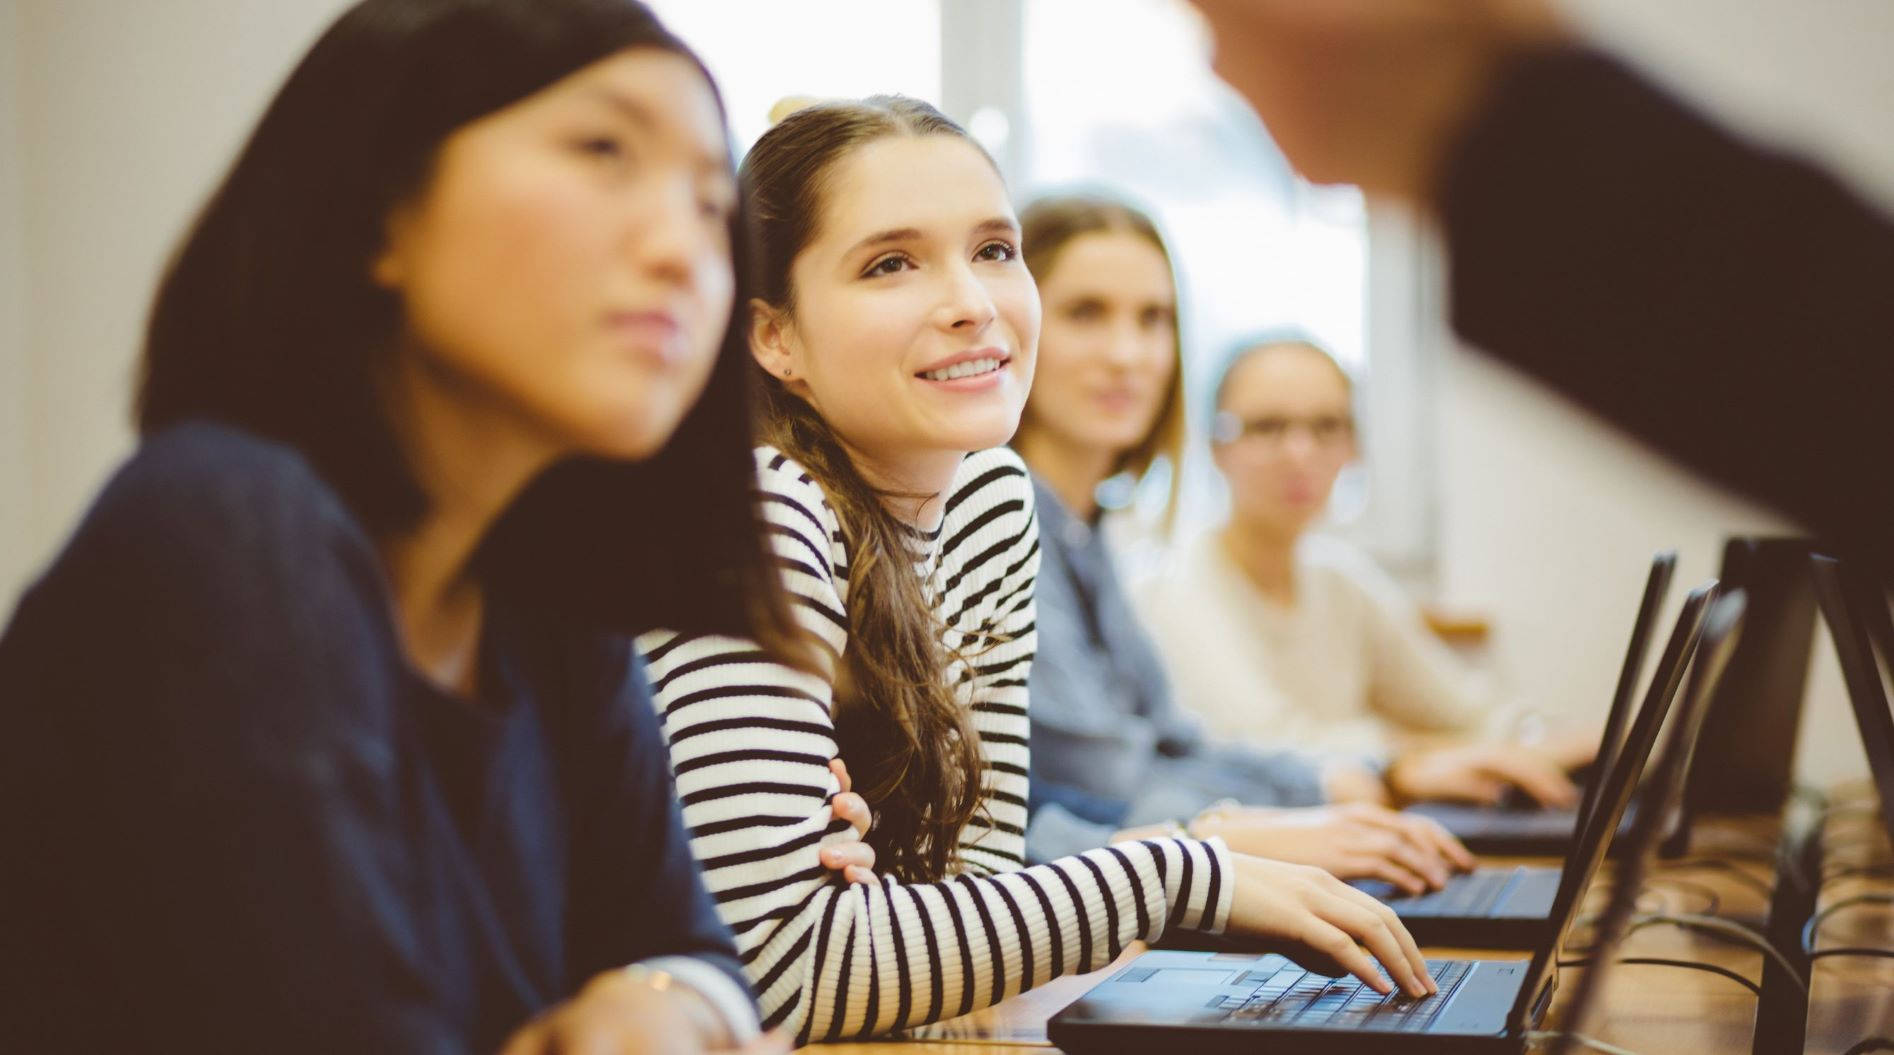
[(1292, 997), (1474, 894)]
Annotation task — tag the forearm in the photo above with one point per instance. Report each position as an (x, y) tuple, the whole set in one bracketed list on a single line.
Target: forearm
[(831, 960), (862, 961), (1724, 304), (724, 1009)]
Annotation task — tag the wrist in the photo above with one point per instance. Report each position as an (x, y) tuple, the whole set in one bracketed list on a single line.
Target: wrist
[(644, 982), (1351, 779), (1210, 820), (1512, 33), (1159, 830), (1396, 779)]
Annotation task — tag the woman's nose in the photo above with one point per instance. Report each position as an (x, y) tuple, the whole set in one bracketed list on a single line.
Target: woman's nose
[(967, 305)]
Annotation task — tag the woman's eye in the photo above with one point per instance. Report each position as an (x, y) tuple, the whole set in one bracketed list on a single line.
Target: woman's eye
[(887, 265), (996, 251), (608, 148), (717, 207)]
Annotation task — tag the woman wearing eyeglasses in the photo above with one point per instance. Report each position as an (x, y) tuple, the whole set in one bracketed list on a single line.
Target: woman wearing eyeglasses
[(1281, 637)]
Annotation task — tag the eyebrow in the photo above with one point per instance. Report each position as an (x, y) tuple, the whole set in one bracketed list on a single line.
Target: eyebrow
[(717, 160), (637, 112), (996, 225)]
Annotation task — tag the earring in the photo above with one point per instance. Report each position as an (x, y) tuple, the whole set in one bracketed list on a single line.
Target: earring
[(789, 372)]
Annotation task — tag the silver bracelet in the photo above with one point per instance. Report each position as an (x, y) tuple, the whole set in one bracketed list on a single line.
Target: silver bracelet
[(649, 976)]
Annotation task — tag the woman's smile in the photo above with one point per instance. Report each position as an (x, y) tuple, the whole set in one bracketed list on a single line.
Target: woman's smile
[(979, 370)]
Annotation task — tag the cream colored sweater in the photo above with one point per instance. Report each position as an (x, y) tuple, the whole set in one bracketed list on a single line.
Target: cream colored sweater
[(1341, 671)]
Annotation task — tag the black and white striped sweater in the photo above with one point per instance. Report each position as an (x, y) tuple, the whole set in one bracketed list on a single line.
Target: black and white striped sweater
[(751, 741)]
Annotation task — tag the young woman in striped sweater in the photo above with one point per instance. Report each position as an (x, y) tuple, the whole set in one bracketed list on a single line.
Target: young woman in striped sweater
[(894, 337)]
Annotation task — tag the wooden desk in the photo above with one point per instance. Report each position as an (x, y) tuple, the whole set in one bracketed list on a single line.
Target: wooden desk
[(1648, 1009), (1852, 997)]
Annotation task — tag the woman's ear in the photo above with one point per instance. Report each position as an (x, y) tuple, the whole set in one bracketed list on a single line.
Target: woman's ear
[(773, 344), (388, 268), (1220, 457)]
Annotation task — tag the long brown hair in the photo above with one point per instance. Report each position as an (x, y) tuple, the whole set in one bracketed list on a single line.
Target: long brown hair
[(1050, 224), (910, 747)]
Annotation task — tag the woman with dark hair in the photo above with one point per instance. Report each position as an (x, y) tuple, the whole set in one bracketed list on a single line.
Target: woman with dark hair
[(894, 335), (1112, 749), (324, 732)]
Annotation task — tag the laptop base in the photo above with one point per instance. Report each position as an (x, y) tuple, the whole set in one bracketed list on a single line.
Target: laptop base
[(1512, 833), (1517, 914), (1249, 1003)]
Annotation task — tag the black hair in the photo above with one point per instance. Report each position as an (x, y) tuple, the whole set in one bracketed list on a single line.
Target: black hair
[(267, 319)]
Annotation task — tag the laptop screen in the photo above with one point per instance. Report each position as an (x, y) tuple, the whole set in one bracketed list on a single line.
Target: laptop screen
[(1858, 621), (1716, 644), (1656, 585), (1614, 795)]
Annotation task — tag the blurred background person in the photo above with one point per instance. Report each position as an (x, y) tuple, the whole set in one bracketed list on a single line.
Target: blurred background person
[(1606, 238), (1111, 750), (1280, 636)]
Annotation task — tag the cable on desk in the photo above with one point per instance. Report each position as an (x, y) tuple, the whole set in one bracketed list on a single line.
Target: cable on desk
[(1664, 961), (1873, 839), (1867, 1044), (1727, 928), (1761, 886), (1540, 1035), (1813, 795), (1851, 830), (1851, 950), (1711, 901), (1815, 922), (1883, 871)]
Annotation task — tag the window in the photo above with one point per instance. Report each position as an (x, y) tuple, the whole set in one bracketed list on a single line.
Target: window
[(1118, 94), (762, 51)]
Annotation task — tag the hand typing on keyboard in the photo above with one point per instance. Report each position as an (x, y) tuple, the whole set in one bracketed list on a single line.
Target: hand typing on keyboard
[(1325, 918), (1481, 773), (1295, 997), (1357, 841)]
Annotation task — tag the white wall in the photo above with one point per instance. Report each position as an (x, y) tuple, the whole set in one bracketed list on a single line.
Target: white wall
[(121, 116), (116, 116), (15, 472), (1547, 515)]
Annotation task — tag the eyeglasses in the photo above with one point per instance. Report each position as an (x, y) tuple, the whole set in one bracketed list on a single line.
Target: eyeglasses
[(1326, 431)]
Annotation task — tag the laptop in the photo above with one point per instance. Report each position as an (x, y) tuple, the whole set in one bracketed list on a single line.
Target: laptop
[(1511, 908), (1755, 718), (1536, 832), (1662, 794), (1250, 1001), (1858, 621)]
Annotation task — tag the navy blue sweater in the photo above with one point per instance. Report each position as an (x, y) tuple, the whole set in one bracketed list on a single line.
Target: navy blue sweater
[(236, 819)]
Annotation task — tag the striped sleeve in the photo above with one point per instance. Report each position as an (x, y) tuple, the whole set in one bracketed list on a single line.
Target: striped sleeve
[(988, 562), (750, 744)]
